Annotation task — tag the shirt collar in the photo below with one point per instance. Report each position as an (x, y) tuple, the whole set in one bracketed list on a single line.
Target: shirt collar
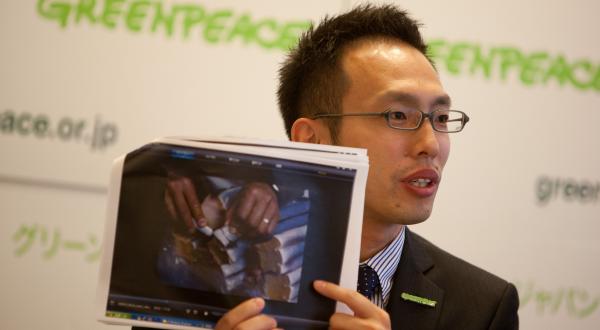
[(385, 263)]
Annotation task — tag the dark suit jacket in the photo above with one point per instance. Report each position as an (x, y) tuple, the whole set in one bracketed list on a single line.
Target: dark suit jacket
[(467, 297)]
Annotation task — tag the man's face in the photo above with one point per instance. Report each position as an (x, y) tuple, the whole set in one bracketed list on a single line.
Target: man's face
[(405, 166)]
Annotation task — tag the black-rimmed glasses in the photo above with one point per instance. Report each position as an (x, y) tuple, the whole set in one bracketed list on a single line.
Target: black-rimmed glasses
[(445, 121)]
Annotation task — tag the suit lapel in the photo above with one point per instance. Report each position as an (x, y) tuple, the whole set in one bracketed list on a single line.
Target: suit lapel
[(407, 312)]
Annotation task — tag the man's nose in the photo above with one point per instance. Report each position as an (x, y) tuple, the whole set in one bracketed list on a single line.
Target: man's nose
[(426, 143)]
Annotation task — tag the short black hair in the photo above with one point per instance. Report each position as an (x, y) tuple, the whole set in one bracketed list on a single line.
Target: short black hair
[(311, 79)]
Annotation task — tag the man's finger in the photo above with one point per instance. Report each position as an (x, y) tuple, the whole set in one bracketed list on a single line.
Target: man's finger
[(256, 216), (170, 205), (259, 219), (242, 312), (243, 205), (258, 322), (272, 213), (359, 304), (189, 192), (340, 321), (176, 190)]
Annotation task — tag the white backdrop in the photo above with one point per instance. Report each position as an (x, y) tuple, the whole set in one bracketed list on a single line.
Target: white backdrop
[(79, 86)]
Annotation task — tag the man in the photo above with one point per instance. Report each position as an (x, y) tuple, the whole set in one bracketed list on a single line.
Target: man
[(336, 87), (363, 79)]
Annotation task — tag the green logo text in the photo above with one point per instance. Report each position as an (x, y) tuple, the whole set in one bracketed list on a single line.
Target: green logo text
[(176, 19), (504, 63)]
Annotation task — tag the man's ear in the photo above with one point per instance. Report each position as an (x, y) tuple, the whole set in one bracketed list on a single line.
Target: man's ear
[(310, 131)]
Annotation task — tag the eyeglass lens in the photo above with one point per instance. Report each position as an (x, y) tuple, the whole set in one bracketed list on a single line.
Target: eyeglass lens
[(442, 120)]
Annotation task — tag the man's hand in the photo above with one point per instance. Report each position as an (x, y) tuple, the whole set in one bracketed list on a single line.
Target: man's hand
[(255, 210), (247, 316), (366, 314), (182, 202)]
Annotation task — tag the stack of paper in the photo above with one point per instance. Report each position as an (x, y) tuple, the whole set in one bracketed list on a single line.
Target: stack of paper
[(197, 225)]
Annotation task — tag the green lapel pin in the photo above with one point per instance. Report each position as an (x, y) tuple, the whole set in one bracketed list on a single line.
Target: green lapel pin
[(418, 300)]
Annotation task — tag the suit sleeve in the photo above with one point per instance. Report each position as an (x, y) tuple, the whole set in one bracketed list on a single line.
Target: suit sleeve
[(506, 316)]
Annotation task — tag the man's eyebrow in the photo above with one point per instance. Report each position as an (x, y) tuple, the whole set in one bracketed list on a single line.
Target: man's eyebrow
[(442, 100), (413, 101)]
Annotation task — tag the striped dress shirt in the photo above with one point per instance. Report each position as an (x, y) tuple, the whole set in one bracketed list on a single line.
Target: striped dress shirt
[(385, 263)]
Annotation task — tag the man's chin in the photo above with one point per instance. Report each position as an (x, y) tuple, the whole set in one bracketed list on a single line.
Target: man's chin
[(400, 215), (414, 217)]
